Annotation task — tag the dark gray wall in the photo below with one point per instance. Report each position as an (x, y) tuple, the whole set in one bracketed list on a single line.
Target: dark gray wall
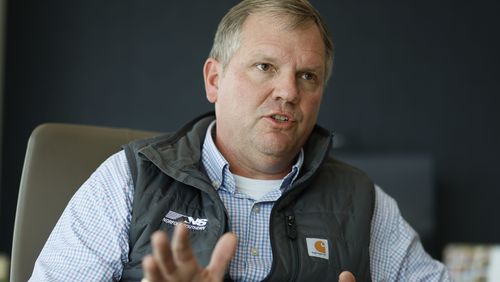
[(410, 76)]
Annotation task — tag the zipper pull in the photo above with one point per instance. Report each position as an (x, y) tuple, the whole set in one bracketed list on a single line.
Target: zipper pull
[(291, 226)]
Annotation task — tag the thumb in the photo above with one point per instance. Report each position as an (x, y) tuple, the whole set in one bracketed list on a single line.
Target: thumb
[(346, 276)]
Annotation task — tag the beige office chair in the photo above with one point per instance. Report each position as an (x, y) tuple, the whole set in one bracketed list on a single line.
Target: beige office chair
[(59, 158)]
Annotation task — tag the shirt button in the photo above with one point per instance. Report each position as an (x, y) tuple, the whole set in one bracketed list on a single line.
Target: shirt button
[(215, 184), (254, 251), (255, 209)]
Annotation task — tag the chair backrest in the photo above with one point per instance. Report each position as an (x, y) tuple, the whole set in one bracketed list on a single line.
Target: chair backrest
[(59, 158)]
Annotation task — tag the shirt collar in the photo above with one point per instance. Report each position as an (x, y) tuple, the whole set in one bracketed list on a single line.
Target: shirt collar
[(217, 167)]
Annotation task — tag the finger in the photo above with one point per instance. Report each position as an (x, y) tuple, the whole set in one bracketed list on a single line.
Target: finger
[(346, 276), (151, 271), (162, 253), (181, 247), (223, 253)]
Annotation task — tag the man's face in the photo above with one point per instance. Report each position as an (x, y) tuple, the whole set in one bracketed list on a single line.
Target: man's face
[(268, 96)]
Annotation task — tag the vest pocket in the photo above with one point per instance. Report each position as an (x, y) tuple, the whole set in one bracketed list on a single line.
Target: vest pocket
[(320, 244)]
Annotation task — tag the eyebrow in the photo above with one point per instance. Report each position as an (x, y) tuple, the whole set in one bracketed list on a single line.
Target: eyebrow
[(264, 58)]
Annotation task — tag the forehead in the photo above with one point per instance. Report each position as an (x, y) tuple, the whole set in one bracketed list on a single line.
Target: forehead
[(280, 32)]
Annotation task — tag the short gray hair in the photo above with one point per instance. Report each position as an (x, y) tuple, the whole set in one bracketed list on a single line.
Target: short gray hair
[(301, 12)]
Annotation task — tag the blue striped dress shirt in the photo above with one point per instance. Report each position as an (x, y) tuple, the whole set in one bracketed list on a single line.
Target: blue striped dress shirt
[(90, 240)]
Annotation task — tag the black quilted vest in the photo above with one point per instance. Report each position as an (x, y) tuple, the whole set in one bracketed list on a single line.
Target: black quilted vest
[(329, 200)]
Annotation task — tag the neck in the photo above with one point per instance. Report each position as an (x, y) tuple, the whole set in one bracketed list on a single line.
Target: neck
[(258, 167), (265, 173)]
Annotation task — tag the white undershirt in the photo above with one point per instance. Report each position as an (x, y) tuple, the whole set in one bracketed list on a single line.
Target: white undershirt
[(255, 188)]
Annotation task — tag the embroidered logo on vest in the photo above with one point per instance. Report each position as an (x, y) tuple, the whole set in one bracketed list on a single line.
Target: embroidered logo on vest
[(317, 247), (191, 223)]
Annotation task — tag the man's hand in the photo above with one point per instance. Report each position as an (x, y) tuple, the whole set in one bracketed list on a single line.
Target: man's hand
[(177, 263), (346, 276)]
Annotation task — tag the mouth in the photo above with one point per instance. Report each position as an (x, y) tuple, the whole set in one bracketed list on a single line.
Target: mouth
[(280, 118)]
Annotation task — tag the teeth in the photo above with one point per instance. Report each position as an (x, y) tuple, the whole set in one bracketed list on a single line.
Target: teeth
[(280, 117)]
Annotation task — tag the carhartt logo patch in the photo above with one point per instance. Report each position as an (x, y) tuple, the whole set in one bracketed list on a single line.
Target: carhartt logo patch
[(317, 247), (192, 223)]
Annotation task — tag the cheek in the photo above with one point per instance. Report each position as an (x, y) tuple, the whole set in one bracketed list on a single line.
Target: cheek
[(311, 105), (246, 93)]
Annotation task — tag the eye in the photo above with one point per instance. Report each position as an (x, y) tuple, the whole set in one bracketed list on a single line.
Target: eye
[(263, 67), (308, 76)]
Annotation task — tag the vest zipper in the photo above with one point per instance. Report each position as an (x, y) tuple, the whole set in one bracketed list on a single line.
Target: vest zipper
[(291, 227), (291, 232)]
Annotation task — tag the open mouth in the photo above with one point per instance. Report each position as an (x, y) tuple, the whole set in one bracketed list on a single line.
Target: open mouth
[(280, 118)]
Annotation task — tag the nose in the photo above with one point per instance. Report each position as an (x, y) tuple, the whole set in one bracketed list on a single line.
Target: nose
[(286, 89)]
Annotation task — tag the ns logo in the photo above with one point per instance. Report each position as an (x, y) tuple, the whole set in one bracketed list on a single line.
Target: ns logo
[(197, 221)]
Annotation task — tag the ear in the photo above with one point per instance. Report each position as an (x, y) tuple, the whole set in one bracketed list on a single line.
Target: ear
[(211, 74)]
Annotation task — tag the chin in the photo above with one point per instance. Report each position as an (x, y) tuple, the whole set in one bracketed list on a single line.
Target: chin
[(275, 150), (277, 145)]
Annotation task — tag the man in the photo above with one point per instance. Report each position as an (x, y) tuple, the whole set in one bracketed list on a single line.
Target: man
[(251, 190)]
